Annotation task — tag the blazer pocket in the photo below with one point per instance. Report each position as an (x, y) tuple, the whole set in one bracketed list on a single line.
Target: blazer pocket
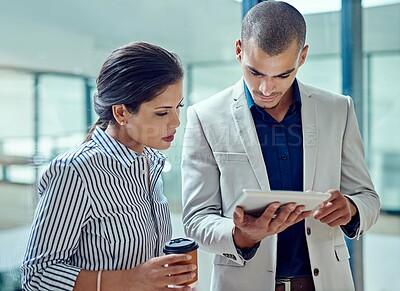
[(221, 157), (342, 253)]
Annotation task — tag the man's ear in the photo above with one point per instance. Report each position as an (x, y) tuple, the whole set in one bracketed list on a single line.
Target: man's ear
[(119, 111), (239, 50), (303, 55)]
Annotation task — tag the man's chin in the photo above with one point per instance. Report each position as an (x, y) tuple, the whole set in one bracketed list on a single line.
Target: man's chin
[(269, 107)]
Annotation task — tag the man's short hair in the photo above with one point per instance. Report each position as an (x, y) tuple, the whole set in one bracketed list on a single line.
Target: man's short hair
[(273, 26)]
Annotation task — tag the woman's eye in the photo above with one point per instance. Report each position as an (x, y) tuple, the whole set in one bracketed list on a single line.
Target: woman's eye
[(162, 113), (181, 105)]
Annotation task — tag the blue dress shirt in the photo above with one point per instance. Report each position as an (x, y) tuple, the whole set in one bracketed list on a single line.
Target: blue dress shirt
[(282, 148)]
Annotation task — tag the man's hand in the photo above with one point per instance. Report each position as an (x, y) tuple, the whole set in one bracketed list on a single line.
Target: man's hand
[(338, 210), (249, 230)]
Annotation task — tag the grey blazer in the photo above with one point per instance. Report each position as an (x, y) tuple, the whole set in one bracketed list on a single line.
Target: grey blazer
[(222, 155)]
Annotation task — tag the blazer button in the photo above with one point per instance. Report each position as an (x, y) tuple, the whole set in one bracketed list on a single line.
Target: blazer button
[(308, 230), (230, 256), (316, 272)]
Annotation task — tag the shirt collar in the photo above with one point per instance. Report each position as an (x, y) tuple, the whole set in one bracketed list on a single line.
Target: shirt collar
[(297, 99), (123, 154)]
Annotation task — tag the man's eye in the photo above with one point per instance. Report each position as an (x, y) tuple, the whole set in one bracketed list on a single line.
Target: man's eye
[(283, 76), (181, 105), (255, 73)]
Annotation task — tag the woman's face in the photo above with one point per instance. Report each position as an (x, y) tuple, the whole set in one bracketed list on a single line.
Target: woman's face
[(154, 125)]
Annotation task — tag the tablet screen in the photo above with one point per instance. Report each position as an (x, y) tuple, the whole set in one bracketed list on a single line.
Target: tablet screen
[(254, 202)]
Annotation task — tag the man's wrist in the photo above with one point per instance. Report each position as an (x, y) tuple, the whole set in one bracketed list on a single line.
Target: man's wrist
[(353, 208), (248, 254), (241, 241)]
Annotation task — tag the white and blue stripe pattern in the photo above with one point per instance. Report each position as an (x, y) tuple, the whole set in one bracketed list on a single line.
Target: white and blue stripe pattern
[(95, 212)]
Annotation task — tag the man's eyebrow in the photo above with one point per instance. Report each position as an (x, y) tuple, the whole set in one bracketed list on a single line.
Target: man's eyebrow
[(168, 107), (285, 73), (254, 70), (279, 75)]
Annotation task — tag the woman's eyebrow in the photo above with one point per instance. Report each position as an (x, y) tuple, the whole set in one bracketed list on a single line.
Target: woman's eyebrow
[(166, 107)]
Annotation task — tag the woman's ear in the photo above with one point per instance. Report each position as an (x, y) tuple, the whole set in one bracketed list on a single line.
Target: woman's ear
[(120, 113), (238, 50)]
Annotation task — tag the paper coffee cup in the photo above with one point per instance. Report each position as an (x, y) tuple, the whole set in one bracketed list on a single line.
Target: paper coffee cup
[(183, 246)]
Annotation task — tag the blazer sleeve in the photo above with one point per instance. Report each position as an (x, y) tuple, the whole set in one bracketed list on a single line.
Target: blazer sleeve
[(201, 194), (355, 179)]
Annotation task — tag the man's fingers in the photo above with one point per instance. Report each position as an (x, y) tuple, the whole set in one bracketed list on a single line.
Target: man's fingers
[(303, 215), (238, 216), (324, 211), (285, 212), (293, 216), (269, 213)]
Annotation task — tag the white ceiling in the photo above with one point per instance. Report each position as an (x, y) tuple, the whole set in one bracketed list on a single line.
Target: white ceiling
[(75, 36), (78, 30)]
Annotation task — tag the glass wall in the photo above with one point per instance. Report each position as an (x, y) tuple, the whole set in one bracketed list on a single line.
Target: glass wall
[(42, 115), (384, 124), (62, 119)]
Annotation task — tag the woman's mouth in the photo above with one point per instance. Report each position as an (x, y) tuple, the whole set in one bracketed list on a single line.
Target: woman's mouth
[(168, 138)]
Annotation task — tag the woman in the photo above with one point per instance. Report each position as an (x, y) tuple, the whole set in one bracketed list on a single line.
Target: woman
[(102, 219)]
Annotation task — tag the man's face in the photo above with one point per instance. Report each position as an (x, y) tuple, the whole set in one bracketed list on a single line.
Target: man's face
[(269, 78)]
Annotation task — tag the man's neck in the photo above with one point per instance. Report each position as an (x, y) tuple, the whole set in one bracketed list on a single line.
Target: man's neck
[(279, 111)]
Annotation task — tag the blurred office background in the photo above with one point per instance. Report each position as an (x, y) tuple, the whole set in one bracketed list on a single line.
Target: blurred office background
[(51, 52)]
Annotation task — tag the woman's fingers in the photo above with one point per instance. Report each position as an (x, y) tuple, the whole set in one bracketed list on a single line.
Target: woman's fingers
[(181, 279), (180, 269), (173, 259)]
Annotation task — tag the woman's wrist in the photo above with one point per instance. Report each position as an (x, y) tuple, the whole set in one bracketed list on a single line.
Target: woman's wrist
[(116, 280)]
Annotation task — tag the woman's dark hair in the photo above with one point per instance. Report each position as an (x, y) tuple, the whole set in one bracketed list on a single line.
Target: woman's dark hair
[(133, 74)]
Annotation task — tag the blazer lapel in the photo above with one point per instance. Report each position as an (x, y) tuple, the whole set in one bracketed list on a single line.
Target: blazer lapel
[(310, 136), (247, 133)]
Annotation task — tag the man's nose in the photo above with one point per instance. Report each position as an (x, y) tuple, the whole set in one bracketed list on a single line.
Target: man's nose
[(266, 87)]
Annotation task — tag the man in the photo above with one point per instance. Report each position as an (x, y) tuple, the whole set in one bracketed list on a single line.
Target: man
[(269, 131)]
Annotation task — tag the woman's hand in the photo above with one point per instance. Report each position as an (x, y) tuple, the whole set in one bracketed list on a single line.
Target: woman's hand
[(153, 275), (158, 273)]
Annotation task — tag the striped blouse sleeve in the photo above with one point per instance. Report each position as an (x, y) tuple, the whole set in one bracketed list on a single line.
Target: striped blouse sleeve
[(60, 215)]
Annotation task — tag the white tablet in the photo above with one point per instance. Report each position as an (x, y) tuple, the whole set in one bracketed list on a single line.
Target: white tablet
[(254, 202)]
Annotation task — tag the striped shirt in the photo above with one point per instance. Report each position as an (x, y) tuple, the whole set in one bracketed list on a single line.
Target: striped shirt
[(96, 212)]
